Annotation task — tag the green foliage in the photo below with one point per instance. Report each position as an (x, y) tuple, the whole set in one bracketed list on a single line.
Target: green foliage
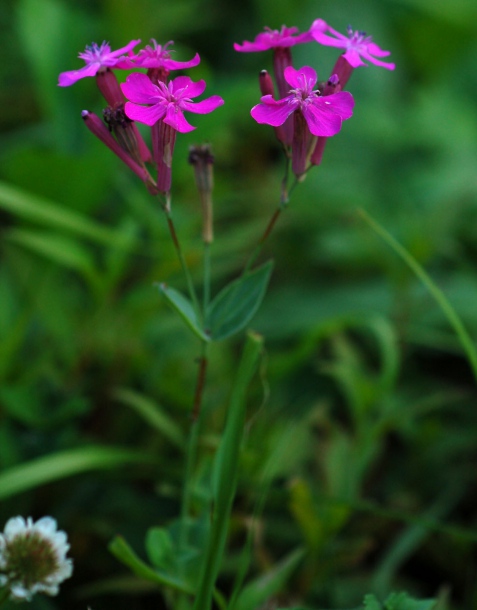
[(355, 472)]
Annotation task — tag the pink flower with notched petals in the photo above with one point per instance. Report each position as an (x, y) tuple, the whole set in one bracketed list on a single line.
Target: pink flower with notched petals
[(272, 39), (96, 57), (357, 45), (150, 103), (157, 56), (323, 114)]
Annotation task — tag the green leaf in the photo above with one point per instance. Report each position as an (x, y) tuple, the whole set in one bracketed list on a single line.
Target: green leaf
[(63, 464), (259, 590), (402, 601), (454, 320), (160, 548), (371, 603), (152, 413), (233, 308), (38, 209), (184, 308), (122, 551), (57, 248)]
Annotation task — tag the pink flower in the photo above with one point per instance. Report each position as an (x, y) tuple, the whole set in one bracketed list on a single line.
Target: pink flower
[(150, 103), (157, 57), (357, 45), (323, 114), (271, 39), (96, 58)]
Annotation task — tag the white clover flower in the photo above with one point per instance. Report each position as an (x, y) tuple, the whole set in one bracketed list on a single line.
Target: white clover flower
[(33, 557)]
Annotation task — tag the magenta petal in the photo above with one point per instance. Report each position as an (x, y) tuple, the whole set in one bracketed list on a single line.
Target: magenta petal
[(329, 41), (275, 113), (341, 103), (139, 89), (378, 62), (65, 79), (353, 57), (175, 118), (192, 89), (321, 121), (126, 63), (125, 49), (246, 47), (373, 49), (144, 114), (319, 25), (205, 106), (292, 76), (171, 64)]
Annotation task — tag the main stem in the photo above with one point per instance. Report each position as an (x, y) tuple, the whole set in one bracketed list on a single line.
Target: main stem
[(185, 269), (284, 198)]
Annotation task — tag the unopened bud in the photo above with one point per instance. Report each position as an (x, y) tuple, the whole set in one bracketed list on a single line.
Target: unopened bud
[(333, 85), (266, 83), (203, 161), (302, 144), (99, 129), (343, 70), (109, 87)]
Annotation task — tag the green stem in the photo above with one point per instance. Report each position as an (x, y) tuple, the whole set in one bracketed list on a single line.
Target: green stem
[(206, 297), (436, 292), (182, 260), (284, 199)]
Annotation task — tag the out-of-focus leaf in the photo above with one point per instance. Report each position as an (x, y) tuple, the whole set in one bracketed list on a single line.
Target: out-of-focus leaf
[(122, 551), (37, 209), (258, 591), (58, 249), (152, 414), (63, 464)]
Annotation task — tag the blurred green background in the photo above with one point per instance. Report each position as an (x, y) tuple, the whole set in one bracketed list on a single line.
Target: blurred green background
[(365, 405)]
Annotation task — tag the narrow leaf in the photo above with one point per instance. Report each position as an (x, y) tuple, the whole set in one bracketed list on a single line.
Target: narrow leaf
[(57, 248), (152, 413), (122, 551), (440, 298), (261, 589), (226, 471), (234, 307), (42, 211), (63, 464), (184, 308)]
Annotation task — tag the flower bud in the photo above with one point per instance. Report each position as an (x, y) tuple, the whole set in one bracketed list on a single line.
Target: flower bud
[(343, 70), (203, 161), (99, 129), (109, 86)]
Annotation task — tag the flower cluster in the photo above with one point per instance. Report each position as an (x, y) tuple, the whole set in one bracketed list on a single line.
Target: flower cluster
[(153, 100), (305, 114), (33, 557)]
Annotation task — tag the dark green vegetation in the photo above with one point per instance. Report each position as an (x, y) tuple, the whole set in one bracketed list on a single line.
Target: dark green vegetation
[(363, 421)]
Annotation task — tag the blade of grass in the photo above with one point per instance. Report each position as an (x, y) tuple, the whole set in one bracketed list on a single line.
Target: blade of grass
[(436, 292), (34, 473), (226, 472)]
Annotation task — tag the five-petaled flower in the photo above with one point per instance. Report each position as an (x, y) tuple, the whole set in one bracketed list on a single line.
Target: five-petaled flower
[(323, 114), (97, 57), (150, 103), (158, 57), (272, 39), (357, 45)]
